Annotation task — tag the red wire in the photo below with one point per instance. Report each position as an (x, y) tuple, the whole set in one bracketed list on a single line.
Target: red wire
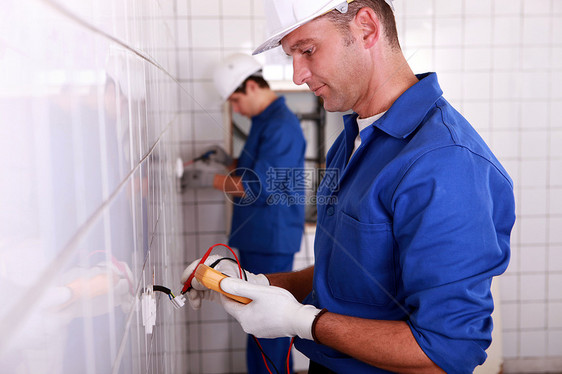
[(187, 285), (289, 355), (262, 355)]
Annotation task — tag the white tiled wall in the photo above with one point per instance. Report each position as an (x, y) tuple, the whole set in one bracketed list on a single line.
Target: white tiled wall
[(90, 216), (499, 64), (84, 171)]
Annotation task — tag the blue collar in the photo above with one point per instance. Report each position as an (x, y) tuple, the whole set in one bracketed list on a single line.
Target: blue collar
[(267, 112)]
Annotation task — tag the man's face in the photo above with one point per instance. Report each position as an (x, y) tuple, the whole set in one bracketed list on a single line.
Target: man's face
[(326, 63), (243, 103)]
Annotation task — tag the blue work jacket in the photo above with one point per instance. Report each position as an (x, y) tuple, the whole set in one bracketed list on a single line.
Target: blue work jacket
[(270, 218), (420, 225)]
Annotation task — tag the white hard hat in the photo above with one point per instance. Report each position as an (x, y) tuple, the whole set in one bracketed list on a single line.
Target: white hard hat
[(285, 16), (233, 71)]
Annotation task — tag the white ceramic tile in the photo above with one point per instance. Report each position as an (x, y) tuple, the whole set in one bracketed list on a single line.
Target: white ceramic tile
[(555, 201), (182, 7), (237, 34), (448, 32), (204, 63), (511, 7), (533, 287), (555, 315), (555, 258), (556, 28), (510, 316), (476, 85), (478, 58), (258, 8), (418, 32), (554, 343), (477, 31), (555, 173), (184, 33), (215, 362), (207, 8), (509, 287), (421, 60), (206, 33), (532, 316), (510, 344), (211, 217), (535, 29), (535, 58), (555, 122), (533, 258), (504, 86), (478, 8), (534, 144), (556, 80), (448, 59), (532, 230), (536, 84), (208, 129), (420, 8), (555, 148), (506, 58), (212, 312), (533, 173), (533, 343), (537, 7), (238, 358), (447, 8), (237, 335), (478, 114), (215, 336), (205, 97), (534, 115), (241, 8), (505, 116), (555, 286)]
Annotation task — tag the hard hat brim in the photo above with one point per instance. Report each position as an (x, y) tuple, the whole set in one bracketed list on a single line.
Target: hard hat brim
[(275, 40)]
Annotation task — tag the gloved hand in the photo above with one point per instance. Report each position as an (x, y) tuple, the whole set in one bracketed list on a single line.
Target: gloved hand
[(199, 292), (217, 154), (273, 312), (194, 178)]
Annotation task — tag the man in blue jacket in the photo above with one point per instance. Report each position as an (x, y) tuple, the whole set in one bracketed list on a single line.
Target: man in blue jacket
[(268, 212), (405, 257)]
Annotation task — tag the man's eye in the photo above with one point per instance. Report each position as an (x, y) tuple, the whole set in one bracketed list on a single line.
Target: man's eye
[(307, 51)]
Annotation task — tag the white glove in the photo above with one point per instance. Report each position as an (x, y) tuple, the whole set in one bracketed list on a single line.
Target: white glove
[(196, 178), (217, 154), (273, 312), (199, 292)]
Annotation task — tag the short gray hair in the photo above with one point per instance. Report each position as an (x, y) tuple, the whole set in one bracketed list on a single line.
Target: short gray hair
[(380, 7)]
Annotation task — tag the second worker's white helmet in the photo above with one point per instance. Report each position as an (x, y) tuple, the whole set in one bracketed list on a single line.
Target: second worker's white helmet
[(285, 16), (231, 72)]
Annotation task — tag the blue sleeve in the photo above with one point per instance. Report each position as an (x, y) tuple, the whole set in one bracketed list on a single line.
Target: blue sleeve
[(453, 214), (280, 154)]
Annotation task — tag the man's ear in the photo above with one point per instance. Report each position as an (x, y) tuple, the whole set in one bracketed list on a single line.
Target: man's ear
[(251, 86), (369, 26)]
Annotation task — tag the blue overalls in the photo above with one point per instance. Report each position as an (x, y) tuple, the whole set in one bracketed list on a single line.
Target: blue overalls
[(268, 223), (420, 225)]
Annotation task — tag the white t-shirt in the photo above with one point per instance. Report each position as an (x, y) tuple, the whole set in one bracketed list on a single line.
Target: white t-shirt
[(363, 123)]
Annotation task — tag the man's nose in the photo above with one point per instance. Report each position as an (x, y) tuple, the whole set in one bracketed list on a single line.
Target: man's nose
[(301, 72)]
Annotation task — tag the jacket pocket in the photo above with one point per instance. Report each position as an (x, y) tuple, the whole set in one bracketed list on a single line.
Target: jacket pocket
[(361, 265)]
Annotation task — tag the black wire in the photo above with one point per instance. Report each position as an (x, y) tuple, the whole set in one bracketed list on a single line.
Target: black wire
[(166, 290), (246, 279), (264, 355), (229, 259)]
